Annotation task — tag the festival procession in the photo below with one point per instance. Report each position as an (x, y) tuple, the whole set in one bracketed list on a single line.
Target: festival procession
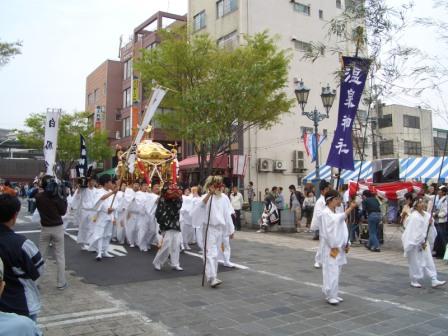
[(206, 187)]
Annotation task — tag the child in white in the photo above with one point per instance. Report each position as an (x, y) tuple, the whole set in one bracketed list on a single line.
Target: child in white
[(334, 242), (417, 248), (186, 226), (84, 201)]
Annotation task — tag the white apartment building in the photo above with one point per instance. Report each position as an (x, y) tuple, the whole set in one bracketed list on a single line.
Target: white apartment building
[(296, 23), (405, 131)]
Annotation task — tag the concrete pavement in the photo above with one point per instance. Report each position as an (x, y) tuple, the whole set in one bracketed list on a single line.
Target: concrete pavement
[(279, 294)]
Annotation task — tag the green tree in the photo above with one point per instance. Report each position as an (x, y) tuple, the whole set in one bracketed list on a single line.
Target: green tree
[(218, 93), (70, 126), (8, 51)]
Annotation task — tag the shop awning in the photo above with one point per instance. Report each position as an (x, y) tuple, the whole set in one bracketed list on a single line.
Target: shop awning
[(191, 162), (346, 175), (422, 169), (110, 171)]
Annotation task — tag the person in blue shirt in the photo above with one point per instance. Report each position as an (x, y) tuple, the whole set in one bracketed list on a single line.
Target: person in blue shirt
[(13, 324)]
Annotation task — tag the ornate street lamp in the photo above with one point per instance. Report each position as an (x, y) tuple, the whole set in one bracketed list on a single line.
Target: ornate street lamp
[(328, 95)]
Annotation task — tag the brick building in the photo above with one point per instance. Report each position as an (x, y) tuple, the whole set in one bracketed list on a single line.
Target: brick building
[(114, 91)]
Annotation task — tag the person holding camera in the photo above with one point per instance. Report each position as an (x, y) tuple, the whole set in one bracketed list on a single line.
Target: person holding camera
[(52, 205)]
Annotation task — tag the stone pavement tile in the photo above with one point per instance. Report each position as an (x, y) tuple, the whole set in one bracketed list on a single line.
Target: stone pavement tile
[(79, 330), (194, 304), (225, 332), (54, 331), (223, 322), (409, 332), (183, 331), (289, 318), (386, 327), (326, 331), (283, 310), (364, 320), (441, 323), (252, 328), (103, 333), (316, 322), (272, 322), (106, 325), (347, 325), (128, 331), (265, 314)]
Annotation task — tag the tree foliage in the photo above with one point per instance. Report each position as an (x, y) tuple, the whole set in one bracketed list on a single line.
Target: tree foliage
[(217, 92), (70, 126), (8, 51)]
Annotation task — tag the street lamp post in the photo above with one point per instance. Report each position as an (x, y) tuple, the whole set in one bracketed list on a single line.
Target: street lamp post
[(327, 96)]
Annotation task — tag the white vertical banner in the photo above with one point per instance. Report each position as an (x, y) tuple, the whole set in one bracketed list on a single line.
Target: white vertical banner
[(239, 164), (51, 139), (154, 103)]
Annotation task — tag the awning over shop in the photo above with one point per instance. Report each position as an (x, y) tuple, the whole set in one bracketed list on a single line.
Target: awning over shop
[(110, 171), (191, 162), (422, 169), (346, 175)]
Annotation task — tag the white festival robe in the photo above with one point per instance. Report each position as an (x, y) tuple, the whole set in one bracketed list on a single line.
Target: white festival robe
[(84, 201), (333, 233), (118, 231), (225, 250), (220, 224), (420, 261), (146, 225), (135, 213), (185, 220), (319, 207), (196, 223), (102, 231)]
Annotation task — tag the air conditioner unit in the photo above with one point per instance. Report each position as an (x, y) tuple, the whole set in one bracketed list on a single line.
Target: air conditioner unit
[(279, 165), (265, 165), (298, 165)]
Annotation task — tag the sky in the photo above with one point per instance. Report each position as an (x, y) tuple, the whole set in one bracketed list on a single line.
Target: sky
[(65, 40)]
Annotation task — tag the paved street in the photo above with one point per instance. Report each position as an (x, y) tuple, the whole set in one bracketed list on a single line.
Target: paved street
[(278, 294)]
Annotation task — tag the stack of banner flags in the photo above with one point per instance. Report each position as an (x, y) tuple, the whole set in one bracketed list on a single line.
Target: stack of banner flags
[(310, 140)]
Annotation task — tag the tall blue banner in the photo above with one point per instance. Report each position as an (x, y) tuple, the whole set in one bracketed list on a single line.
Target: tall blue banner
[(352, 86)]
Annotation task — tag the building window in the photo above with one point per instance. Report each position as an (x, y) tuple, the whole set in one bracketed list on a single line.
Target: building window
[(228, 41), (126, 127), (321, 14), (338, 4), (96, 95), (387, 147), (127, 97), (385, 121), (199, 21), (411, 121), (224, 7), (412, 148), (301, 8), (127, 69), (90, 99), (302, 46)]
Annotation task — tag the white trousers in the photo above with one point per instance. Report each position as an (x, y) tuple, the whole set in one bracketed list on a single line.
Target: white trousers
[(224, 250), (143, 233), (199, 237), (421, 263), (101, 236), (187, 233), (118, 231), (85, 226), (214, 239), (170, 247), (318, 256), (331, 270), (131, 228)]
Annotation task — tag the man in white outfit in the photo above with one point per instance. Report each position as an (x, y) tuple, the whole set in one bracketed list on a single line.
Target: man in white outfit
[(104, 218), (84, 201), (324, 188), (215, 217)]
